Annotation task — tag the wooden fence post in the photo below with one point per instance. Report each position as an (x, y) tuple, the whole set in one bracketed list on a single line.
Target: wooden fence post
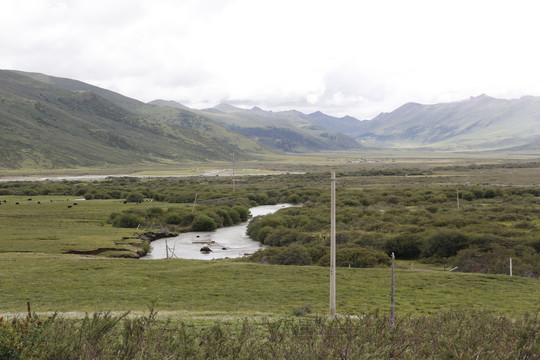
[(392, 312)]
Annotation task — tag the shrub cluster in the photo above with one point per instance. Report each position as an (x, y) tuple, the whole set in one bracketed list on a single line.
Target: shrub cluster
[(415, 224), (203, 218)]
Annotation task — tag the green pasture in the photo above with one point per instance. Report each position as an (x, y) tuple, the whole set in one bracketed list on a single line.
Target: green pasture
[(47, 224), (34, 266), (89, 284)]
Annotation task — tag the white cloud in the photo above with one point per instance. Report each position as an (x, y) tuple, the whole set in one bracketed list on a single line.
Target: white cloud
[(339, 56)]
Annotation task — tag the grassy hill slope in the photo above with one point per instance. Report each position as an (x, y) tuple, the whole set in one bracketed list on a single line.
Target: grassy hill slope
[(161, 111), (45, 126)]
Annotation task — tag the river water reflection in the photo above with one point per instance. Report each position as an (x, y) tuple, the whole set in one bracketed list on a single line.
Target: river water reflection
[(228, 242)]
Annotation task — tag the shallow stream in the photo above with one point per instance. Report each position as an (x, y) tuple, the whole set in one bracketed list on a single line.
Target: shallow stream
[(228, 242)]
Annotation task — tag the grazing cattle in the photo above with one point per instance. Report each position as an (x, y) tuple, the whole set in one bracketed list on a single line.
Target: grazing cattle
[(74, 204), (30, 199), (16, 203), (39, 202), (69, 206)]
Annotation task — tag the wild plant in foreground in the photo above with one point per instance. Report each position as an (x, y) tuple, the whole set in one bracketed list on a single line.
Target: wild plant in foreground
[(104, 336)]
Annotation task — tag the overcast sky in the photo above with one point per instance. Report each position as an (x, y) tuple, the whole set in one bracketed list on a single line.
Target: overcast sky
[(342, 57)]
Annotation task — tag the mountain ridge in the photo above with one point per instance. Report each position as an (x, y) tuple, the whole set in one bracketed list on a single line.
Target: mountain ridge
[(44, 126), (51, 122), (288, 131), (480, 123), (176, 115)]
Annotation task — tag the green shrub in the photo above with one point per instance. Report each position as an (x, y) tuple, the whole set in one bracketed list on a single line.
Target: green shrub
[(432, 209), (127, 220), (226, 219), (203, 223), (268, 223), (281, 237), (404, 246), (287, 255), (242, 211), (173, 219), (293, 199), (262, 233), (135, 197), (155, 212), (357, 257), (445, 243), (294, 255)]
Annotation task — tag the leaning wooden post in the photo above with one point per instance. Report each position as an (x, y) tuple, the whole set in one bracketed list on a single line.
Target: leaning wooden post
[(392, 313), (333, 248), (233, 179), (29, 311), (194, 203)]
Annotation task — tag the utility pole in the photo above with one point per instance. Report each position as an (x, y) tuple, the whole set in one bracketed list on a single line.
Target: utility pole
[(457, 192), (333, 248), (233, 180)]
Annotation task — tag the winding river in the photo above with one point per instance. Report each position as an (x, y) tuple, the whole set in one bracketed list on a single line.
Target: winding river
[(228, 242)]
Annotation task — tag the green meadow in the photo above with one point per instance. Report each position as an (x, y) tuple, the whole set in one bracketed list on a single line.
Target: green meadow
[(88, 284), (39, 233), (53, 224)]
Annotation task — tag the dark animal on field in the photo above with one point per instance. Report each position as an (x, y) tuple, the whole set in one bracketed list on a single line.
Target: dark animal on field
[(16, 203), (74, 203), (69, 206)]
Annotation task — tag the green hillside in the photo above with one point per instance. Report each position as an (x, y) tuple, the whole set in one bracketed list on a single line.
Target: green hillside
[(43, 126), (161, 111)]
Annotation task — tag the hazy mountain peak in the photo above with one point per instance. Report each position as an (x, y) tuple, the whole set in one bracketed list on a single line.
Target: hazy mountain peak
[(227, 108), (256, 108), (169, 103), (481, 97)]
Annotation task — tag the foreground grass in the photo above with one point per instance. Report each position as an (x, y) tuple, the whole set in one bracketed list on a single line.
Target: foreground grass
[(102, 336), (86, 284)]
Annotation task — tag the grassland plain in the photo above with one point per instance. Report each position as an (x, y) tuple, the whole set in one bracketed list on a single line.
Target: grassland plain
[(53, 224), (88, 284), (35, 236)]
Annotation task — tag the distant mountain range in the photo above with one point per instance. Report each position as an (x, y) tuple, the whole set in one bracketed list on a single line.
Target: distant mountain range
[(51, 122), (290, 131), (479, 123)]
